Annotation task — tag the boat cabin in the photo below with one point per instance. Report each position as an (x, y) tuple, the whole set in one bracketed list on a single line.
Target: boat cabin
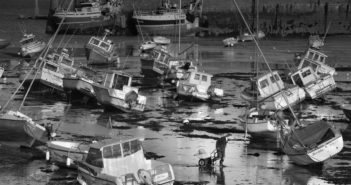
[(117, 80), (269, 84), (198, 78), (304, 76), (316, 60), (28, 38), (56, 62), (101, 43)]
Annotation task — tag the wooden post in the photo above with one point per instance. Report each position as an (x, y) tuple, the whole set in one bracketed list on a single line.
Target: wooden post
[(326, 6)]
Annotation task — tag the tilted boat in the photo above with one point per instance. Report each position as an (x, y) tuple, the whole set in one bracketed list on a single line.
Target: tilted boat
[(311, 143), (166, 19), (269, 91), (66, 153), (55, 67), (30, 45), (121, 161), (86, 16), (117, 92), (101, 51), (195, 85), (311, 78), (79, 89)]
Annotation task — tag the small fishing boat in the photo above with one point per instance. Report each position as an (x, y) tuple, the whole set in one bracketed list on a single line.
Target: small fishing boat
[(51, 75), (267, 92), (168, 18), (21, 129), (157, 41), (30, 45), (195, 85), (66, 153), (79, 89), (4, 43), (117, 92), (260, 123), (101, 51), (314, 41), (245, 37), (86, 16), (315, 83), (311, 143), (230, 42), (121, 161)]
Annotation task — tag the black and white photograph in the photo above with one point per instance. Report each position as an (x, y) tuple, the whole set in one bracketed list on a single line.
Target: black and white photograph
[(175, 92)]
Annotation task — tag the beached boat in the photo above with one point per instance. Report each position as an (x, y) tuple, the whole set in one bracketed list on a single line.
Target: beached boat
[(269, 91), (195, 85), (4, 43), (79, 89), (21, 130), (168, 18), (51, 75), (314, 41), (87, 16), (101, 51), (30, 45), (260, 123), (311, 143), (230, 42), (121, 161), (311, 78), (117, 92), (66, 153)]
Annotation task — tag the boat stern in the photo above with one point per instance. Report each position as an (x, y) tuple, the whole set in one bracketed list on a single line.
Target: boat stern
[(327, 149)]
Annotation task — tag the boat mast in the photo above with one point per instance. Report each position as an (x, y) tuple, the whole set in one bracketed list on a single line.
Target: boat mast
[(179, 15)]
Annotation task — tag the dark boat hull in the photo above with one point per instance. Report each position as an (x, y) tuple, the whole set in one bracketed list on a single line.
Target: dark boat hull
[(79, 91)]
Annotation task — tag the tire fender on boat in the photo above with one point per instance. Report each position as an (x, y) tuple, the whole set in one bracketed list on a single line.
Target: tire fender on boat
[(47, 156), (131, 99), (145, 177)]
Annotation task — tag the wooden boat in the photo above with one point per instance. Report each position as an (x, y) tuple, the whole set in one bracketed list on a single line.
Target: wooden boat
[(314, 41), (271, 91), (66, 153), (21, 130), (195, 85), (311, 143), (167, 18), (86, 16), (314, 82), (117, 92), (101, 51), (30, 45), (121, 161), (154, 62), (4, 43), (51, 75)]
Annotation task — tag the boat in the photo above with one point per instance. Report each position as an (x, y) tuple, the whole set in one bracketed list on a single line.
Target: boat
[(260, 123), (245, 37), (55, 67), (1, 71), (269, 91), (86, 16), (159, 42), (314, 41), (230, 42), (79, 89), (101, 51), (195, 85), (315, 83), (117, 92), (311, 143), (121, 161), (66, 153), (21, 130), (166, 19), (30, 45), (4, 43)]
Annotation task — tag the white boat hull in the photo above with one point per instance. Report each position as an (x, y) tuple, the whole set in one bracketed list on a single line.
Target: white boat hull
[(320, 87), (293, 95)]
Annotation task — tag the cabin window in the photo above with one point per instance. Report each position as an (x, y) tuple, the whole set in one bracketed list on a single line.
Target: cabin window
[(107, 152), (67, 61), (94, 42), (56, 58), (51, 67), (94, 157), (306, 73), (297, 80), (135, 146), (116, 150), (28, 41), (310, 55), (322, 59), (274, 78), (126, 149), (315, 58), (120, 81), (112, 151), (104, 46), (197, 77), (264, 83), (204, 78)]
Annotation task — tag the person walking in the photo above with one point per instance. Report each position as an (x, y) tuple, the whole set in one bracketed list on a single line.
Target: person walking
[(221, 144)]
